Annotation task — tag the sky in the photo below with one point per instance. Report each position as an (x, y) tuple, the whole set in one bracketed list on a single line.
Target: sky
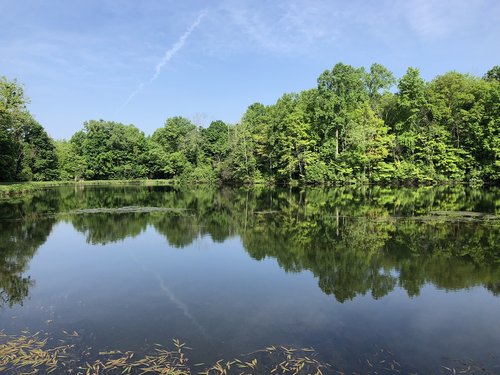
[(140, 62)]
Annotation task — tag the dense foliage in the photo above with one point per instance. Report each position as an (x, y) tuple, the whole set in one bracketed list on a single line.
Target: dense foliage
[(26, 151), (354, 126)]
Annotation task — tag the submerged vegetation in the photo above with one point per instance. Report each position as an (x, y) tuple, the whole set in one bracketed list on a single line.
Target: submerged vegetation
[(354, 126)]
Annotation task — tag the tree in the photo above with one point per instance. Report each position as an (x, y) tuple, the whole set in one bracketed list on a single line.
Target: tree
[(341, 91), (71, 165), (291, 136), (349, 128), (39, 158), (241, 164), (487, 155), (452, 99), (171, 136), (215, 141), (26, 151), (12, 104), (368, 145), (110, 150), (493, 74), (176, 147), (412, 111), (378, 79), (257, 122)]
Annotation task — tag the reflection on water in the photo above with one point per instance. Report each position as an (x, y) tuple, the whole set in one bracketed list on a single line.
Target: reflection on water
[(370, 242), (354, 242)]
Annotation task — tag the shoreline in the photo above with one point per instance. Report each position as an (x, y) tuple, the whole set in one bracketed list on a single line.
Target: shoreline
[(10, 189)]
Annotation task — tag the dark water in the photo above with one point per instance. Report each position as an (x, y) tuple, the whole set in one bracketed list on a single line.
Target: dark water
[(352, 273)]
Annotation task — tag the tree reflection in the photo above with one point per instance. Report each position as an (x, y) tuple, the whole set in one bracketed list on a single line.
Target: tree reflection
[(25, 225), (354, 241)]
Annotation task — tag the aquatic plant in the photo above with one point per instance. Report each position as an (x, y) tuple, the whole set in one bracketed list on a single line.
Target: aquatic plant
[(33, 353)]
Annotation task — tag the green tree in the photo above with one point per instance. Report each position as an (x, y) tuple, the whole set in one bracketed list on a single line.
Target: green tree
[(177, 147), (341, 91), (72, 165), (12, 105), (412, 110), (26, 151), (378, 81), (240, 165), (290, 137), (410, 126), (215, 141), (368, 144), (257, 122), (110, 151), (493, 74), (38, 160), (488, 154)]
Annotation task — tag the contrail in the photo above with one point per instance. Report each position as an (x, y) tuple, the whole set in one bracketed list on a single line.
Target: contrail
[(167, 57)]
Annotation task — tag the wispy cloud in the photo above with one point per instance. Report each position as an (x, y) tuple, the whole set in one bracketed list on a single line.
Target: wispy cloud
[(436, 18), (169, 54), (283, 27), (299, 26), (431, 19)]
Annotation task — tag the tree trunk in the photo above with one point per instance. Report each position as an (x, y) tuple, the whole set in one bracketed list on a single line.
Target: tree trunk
[(336, 143)]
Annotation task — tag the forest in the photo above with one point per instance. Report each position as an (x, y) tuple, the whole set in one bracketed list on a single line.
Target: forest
[(356, 125)]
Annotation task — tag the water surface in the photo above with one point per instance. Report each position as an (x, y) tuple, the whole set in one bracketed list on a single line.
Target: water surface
[(351, 273)]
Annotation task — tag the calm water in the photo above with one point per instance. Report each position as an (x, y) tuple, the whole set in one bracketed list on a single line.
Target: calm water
[(354, 274)]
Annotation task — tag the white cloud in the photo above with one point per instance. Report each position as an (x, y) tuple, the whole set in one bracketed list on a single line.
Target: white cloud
[(431, 18), (292, 26)]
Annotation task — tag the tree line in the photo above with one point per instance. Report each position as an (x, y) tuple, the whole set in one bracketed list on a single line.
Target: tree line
[(356, 125)]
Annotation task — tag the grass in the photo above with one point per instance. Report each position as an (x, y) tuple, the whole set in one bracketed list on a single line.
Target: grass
[(19, 188)]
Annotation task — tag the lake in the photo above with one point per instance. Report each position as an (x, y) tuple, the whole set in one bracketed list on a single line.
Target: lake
[(375, 280)]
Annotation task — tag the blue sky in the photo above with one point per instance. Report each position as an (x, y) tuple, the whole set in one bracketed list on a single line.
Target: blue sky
[(141, 62)]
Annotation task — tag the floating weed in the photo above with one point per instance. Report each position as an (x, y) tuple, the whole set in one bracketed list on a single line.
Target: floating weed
[(272, 360), (28, 354), (36, 354), (161, 361), (32, 354), (469, 367)]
